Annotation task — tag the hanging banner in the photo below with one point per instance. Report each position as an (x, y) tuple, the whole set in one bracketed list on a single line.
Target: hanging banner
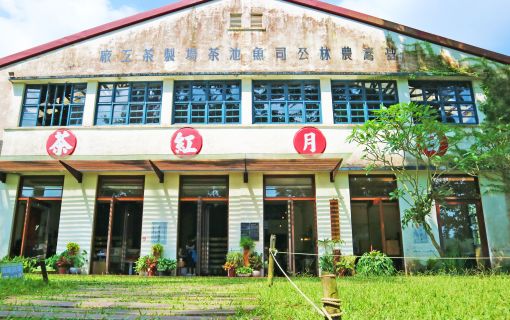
[(61, 144), (186, 142), (309, 140)]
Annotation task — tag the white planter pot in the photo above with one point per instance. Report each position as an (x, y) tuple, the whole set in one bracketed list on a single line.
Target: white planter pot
[(256, 273)]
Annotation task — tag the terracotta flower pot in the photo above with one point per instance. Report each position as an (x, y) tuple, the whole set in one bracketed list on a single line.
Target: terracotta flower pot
[(62, 270), (231, 272)]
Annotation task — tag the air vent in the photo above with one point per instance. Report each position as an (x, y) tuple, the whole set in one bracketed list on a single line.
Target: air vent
[(256, 20), (235, 20)]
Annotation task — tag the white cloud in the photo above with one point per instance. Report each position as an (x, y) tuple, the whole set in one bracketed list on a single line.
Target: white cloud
[(27, 23), (481, 23)]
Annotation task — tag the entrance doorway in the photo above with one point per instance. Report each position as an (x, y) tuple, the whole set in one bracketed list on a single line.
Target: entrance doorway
[(118, 225), (203, 225), (461, 223), (37, 217), (289, 213), (375, 218)]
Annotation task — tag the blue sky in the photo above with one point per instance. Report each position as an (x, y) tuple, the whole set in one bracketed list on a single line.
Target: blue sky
[(484, 23)]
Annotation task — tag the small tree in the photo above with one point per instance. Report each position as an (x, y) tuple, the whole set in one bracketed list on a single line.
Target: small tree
[(408, 139)]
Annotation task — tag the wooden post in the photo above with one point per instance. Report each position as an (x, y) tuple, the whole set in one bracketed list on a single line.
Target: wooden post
[(25, 227), (44, 273), (109, 239), (270, 267)]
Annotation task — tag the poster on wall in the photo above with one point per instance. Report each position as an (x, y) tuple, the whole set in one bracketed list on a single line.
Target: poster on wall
[(419, 235), (159, 232), (309, 141), (61, 144), (250, 230), (186, 142)]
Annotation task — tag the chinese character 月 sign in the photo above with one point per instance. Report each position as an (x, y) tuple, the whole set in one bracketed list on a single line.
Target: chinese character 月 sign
[(309, 140)]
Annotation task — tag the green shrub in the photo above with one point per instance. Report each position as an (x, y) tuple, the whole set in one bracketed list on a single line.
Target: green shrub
[(165, 264), (244, 270), (141, 264), (346, 265), (327, 260), (235, 259), (375, 263), (256, 261), (247, 243), (73, 248), (157, 250)]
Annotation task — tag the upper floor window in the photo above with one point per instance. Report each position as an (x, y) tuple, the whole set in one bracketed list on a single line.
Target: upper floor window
[(53, 105), (287, 101), (129, 103), (453, 100), (355, 101), (207, 102)]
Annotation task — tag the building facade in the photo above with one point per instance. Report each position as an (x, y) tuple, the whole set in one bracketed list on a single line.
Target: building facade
[(204, 121)]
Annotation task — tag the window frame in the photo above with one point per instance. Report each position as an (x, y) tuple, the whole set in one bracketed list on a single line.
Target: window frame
[(207, 102), (438, 86), (128, 103), (286, 101), (47, 105), (348, 107)]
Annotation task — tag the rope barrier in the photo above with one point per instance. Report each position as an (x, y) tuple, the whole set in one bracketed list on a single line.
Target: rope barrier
[(424, 257), (296, 287)]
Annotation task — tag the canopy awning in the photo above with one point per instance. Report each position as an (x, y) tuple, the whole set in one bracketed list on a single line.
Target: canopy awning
[(160, 166)]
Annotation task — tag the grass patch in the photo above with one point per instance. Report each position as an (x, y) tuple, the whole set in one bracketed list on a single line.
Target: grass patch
[(418, 297)]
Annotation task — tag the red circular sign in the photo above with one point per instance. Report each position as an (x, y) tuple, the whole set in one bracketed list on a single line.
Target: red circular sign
[(61, 143), (309, 140), (435, 146), (186, 142)]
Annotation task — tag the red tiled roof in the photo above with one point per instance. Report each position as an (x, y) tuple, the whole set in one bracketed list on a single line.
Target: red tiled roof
[(314, 4)]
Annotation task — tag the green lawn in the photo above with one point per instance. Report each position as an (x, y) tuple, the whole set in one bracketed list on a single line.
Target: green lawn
[(419, 297)]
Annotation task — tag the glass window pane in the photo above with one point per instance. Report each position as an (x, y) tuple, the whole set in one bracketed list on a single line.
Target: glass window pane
[(121, 186), (371, 186), (206, 187), (43, 186), (289, 187)]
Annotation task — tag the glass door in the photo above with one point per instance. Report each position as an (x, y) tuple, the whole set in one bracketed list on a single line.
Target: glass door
[(203, 225), (289, 214), (118, 225), (37, 216)]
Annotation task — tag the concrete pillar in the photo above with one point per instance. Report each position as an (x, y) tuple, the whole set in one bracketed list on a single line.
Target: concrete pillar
[(403, 90), (167, 102), (8, 193), (326, 101), (160, 209), (415, 241), (325, 191), (77, 214), (246, 204), (497, 220), (246, 101), (89, 110)]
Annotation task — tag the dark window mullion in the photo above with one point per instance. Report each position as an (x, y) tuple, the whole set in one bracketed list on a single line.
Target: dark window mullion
[(112, 103)]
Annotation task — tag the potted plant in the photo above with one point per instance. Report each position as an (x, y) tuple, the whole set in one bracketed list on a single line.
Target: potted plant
[(51, 263), (328, 278), (152, 263), (77, 261), (256, 263), (244, 272), (157, 250), (247, 244), (73, 248), (63, 263), (141, 266), (233, 260), (346, 266), (166, 266)]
